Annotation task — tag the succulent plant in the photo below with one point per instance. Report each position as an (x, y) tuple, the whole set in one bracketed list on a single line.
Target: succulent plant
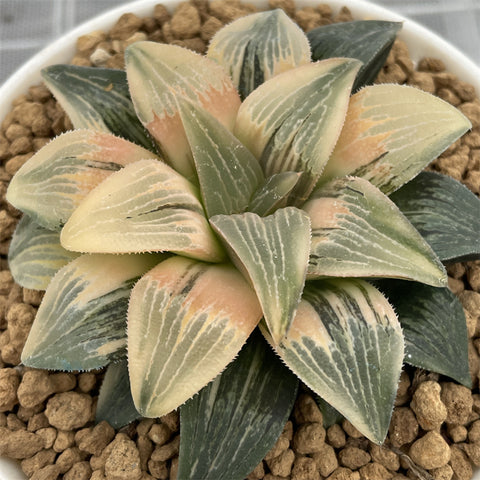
[(254, 190)]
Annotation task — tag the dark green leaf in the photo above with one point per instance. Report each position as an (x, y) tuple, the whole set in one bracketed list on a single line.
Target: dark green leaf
[(369, 41), (97, 98), (329, 414), (434, 327), (115, 404), (445, 212), (233, 422)]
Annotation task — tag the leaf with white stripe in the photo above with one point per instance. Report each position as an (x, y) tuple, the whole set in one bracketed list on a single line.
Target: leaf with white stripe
[(157, 75), (81, 322), (272, 252), (346, 344), (292, 121), (231, 413), (51, 184), (391, 133), (434, 326), (227, 172), (115, 403), (186, 322), (35, 254), (255, 48), (446, 214), (145, 207), (97, 98), (357, 231), (273, 193)]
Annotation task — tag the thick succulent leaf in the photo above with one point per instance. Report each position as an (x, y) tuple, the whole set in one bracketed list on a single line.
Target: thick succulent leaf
[(369, 41), (434, 327), (81, 322), (230, 412), (50, 185), (98, 99), (255, 48), (273, 193), (391, 133), (186, 321), (292, 121), (115, 403), (145, 207), (35, 254), (272, 252), (357, 231), (227, 172), (445, 212), (157, 74), (329, 414), (346, 344)]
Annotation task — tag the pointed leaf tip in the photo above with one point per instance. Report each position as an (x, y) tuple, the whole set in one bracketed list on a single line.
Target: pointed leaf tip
[(273, 253), (186, 321), (346, 344), (259, 46)]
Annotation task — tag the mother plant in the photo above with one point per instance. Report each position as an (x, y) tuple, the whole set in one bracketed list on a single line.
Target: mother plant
[(264, 195)]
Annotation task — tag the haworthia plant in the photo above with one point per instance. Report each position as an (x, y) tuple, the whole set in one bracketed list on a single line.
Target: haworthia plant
[(259, 207)]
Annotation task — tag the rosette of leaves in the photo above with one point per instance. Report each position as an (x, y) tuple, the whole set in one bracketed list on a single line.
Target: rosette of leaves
[(201, 197)]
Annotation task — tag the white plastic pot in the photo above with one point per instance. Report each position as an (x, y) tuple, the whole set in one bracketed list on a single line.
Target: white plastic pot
[(420, 41)]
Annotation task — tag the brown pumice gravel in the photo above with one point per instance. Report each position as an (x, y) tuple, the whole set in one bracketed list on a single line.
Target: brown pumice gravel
[(46, 418)]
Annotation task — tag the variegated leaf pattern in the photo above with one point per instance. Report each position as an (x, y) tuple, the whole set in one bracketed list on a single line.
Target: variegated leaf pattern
[(35, 254), (227, 172), (231, 413), (255, 48), (292, 122), (391, 133), (357, 231), (153, 207), (115, 403), (273, 193), (98, 99), (445, 212), (186, 321), (273, 253), (81, 323), (51, 184), (346, 344), (157, 74)]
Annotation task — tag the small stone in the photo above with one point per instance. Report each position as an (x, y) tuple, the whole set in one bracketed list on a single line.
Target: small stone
[(79, 471), (458, 433), (96, 439), (336, 436), (185, 22), (472, 111), (38, 461), (69, 410), (385, 457), (459, 402), (461, 466), (429, 409), (9, 381), (430, 451), (326, 460), (305, 468), (123, 462), (429, 64), (280, 446), (48, 435), (167, 451), (64, 440), (281, 465), (306, 410), (68, 458), (374, 471), (86, 381), (288, 6), (343, 473), (36, 386), (422, 80), (350, 430), (50, 472), (125, 27), (63, 381), (403, 427), (353, 457), (19, 444), (473, 452), (309, 438), (442, 473), (159, 433)]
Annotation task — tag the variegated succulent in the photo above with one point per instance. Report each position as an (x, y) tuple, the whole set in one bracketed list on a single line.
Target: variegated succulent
[(254, 190)]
